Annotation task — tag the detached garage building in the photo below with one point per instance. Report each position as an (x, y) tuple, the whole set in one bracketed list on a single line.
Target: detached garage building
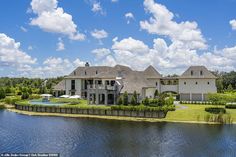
[(195, 83)]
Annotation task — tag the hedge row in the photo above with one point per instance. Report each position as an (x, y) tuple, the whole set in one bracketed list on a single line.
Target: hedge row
[(164, 108), (202, 102), (215, 110), (230, 106)]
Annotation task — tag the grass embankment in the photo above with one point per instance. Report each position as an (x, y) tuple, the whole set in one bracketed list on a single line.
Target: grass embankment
[(195, 113), (2, 106)]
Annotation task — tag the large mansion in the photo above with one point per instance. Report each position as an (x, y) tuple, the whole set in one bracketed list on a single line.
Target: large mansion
[(104, 84)]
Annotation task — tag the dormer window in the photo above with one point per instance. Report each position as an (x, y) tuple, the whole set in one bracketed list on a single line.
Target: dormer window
[(85, 73), (191, 73), (96, 72), (74, 73), (201, 73)]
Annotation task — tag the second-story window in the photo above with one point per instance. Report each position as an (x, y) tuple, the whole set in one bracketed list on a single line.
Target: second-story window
[(85, 73), (72, 84), (208, 82), (112, 83), (96, 72), (184, 83), (196, 83), (156, 83), (74, 73), (201, 73), (191, 73)]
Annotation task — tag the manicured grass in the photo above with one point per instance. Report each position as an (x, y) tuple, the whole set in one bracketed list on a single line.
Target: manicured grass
[(194, 113)]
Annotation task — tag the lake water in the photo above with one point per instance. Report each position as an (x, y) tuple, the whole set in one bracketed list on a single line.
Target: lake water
[(99, 138)]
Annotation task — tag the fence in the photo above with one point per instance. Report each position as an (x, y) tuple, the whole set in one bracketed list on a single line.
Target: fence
[(101, 112)]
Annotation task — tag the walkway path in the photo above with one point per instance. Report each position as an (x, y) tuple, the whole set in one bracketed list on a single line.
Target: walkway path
[(179, 106)]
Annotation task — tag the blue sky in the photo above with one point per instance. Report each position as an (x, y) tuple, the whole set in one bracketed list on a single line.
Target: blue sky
[(47, 38)]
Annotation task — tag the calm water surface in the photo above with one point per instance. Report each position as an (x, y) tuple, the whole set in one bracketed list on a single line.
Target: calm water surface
[(92, 137)]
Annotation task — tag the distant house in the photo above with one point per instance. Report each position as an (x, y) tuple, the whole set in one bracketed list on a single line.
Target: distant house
[(104, 84)]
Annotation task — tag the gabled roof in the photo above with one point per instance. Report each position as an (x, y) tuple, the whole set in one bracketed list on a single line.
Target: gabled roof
[(60, 86), (151, 72), (89, 71), (195, 72), (135, 81)]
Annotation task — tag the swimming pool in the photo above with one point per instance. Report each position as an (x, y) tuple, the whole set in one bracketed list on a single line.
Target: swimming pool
[(46, 103)]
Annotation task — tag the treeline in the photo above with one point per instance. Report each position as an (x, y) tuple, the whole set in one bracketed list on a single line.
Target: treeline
[(226, 81), (26, 86)]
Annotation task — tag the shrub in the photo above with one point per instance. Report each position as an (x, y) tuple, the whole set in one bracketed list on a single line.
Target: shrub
[(215, 110), (125, 98), (145, 101), (136, 97), (34, 96), (133, 101), (2, 93), (25, 95), (153, 102), (120, 100), (230, 106), (11, 100), (156, 93)]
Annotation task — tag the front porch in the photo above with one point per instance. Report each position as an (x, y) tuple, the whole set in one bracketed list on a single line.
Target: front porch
[(102, 98)]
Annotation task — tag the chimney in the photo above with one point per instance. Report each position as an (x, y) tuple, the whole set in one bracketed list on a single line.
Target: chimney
[(86, 64)]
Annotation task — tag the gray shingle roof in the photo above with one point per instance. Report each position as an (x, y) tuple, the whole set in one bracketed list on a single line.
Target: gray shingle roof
[(60, 86), (151, 72), (131, 80), (195, 72)]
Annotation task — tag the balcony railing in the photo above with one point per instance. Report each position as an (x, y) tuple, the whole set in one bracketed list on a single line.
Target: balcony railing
[(101, 86)]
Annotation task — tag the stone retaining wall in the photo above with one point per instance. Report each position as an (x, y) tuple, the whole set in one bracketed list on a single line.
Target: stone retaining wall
[(102, 112)]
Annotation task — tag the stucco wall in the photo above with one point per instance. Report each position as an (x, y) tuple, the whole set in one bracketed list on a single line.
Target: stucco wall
[(202, 86), (77, 86), (173, 88), (149, 92)]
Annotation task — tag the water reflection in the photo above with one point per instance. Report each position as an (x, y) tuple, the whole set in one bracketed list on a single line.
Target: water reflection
[(94, 137)]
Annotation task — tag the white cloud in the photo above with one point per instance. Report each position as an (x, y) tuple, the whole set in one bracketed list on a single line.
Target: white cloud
[(162, 23), (233, 24), (52, 18), (97, 8), (130, 45), (129, 16), (60, 45), (52, 67), (23, 29), (101, 53), (114, 0), (30, 47), (11, 55), (78, 63), (99, 34), (173, 58)]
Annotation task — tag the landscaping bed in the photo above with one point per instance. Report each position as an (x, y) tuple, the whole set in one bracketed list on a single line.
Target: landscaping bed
[(215, 110)]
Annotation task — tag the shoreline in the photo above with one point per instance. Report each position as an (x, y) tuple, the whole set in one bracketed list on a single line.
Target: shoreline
[(151, 120)]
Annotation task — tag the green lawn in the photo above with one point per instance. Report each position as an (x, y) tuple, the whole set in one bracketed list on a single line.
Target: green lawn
[(194, 113)]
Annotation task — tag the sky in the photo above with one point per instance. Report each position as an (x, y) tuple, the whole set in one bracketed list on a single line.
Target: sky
[(49, 38)]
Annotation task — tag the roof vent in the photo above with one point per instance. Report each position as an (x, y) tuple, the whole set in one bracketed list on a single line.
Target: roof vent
[(86, 64)]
